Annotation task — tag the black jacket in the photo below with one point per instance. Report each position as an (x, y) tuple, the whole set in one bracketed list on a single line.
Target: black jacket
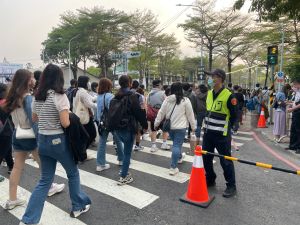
[(77, 138)]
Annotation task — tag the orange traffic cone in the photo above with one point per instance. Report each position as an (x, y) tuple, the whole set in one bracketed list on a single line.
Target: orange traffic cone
[(197, 193), (262, 120)]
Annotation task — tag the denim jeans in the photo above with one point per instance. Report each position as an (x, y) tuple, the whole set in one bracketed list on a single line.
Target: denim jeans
[(53, 148), (127, 138), (102, 148), (200, 118), (177, 136)]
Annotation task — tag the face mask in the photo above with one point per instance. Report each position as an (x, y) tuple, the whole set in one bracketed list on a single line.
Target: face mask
[(210, 82)]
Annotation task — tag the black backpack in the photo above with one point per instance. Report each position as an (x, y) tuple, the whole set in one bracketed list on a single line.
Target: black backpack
[(118, 115), (102, 126), (6, 126), (71, 94)]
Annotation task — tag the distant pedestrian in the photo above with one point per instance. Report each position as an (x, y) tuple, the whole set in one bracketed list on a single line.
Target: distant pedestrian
[(240, 101)]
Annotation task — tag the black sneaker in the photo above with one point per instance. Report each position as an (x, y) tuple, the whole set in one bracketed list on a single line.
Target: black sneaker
[(229, 192), (75, 214)]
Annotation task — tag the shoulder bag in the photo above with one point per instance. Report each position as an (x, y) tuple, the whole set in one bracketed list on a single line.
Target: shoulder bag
[(167, 123)]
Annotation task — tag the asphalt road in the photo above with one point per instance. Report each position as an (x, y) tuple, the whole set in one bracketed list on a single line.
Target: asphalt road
[(264, 196)]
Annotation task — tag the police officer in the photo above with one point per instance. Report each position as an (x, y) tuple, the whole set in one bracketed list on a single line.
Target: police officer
[(221, 114)]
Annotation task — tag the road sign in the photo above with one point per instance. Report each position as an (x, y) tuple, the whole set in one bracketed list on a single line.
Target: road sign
[(116, 56), (280, 74), (133, 54)]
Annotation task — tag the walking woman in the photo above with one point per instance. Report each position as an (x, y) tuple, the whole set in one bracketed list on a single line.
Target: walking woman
[(279, 129), (179, 110), (18, 104), (84, 100), (51, 102), (103, 101)]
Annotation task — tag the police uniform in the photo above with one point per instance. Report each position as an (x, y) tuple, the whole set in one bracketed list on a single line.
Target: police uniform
[(221, 115)]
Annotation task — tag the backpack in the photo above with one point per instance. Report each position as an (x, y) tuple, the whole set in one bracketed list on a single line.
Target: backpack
[(118, 115), (71, 94), (250, 104), (103, 119)]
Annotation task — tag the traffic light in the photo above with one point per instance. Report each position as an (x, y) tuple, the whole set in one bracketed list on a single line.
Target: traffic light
[(273, 55)]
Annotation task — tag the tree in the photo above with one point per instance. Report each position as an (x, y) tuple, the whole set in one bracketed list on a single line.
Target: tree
[(233, 40), (142, 28), (274, 9), (206, 26)]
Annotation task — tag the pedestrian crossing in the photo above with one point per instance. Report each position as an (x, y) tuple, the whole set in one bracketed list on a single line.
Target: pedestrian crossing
[(134, 196)]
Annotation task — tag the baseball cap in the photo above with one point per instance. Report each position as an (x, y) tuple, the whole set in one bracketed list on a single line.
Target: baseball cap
[(217, 72)]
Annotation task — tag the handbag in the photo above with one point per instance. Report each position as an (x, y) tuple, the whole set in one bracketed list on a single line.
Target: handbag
[(167, 123), (82, 112), (101, 126), (25, 133)]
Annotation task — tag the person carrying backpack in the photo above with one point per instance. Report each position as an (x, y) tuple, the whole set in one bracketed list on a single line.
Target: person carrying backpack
[(124, 113), (103, 102)]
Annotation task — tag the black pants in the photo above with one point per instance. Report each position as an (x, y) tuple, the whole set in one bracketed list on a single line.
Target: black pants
[(6, 151), (295, 131), (223, 145), (91, 129)]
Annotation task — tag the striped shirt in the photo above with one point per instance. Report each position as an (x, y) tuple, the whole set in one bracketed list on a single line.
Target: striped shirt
[(48, 112)]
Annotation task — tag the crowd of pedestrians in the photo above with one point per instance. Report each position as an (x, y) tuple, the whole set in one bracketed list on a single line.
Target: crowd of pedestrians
[(40, 117)]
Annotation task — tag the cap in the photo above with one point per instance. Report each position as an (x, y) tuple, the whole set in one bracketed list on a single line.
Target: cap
[(217, 72)]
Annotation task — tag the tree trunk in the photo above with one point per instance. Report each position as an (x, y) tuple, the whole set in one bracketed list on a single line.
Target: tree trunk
[(249, 78), (74, 71), (210, 52), (229, 65), (296, 30)]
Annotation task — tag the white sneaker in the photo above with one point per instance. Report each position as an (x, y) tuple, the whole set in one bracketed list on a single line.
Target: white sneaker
[(165, 146), (126, 180), (182, 157), (21, 223), (12, 204), (138, 148), (75, 214), (55, 188), (101, 168), (153, 148), (173, 171)]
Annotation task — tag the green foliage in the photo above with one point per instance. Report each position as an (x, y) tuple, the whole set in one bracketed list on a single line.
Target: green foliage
[(94, 70)]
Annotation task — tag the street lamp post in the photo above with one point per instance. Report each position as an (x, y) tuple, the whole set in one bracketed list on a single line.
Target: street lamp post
[(281, 55), (70, 75)]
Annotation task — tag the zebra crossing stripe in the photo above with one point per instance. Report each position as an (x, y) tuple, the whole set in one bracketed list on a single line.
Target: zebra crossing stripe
[(186, 145), (146, 168), (51, 214), (167, 154), (242, 138), (246, 133), (128, 194)]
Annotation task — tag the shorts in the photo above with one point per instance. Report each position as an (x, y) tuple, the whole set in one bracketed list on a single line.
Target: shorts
[(26, 145)]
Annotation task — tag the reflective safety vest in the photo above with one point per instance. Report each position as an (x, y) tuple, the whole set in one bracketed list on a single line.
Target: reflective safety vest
[(218, 114)]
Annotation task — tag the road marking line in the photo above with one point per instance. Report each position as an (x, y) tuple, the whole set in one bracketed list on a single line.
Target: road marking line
[(246, 132), (51, 214), (165, 153), (185, 145), (126, 193), (242, 138), (146, 168)]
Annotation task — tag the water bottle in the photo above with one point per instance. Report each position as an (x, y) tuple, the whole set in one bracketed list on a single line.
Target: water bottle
[(193, 140)]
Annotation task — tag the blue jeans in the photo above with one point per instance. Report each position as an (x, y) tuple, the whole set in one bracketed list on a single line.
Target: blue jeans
[(102, 148), (127, 138), (177, 136), (53, 148), (200, 118)]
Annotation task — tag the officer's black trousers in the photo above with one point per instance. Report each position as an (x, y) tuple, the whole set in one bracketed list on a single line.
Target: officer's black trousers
[(295, 131), (223, 145)]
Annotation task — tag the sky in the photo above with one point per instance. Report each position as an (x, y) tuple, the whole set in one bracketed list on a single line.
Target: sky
[(26, 23)]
